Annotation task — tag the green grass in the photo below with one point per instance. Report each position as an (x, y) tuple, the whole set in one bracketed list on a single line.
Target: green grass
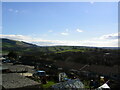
[(28, 49), (7, 45), (86, 83), (72, 50), (49, 84), (19, 43)]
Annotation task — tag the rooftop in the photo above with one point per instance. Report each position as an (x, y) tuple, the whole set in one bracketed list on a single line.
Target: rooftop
[(14, 80), (75, 83)]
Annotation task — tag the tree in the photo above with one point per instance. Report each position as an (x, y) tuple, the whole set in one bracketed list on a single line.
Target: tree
[(12, 55)]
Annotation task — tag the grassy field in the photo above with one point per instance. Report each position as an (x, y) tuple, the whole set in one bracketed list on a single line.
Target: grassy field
[(72, 50), (48, 85)]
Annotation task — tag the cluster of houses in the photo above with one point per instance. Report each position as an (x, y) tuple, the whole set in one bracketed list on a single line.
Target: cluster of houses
[(13, 77)]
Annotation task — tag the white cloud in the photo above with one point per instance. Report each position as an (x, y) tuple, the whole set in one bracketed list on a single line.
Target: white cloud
[(92, 2), (111, 36), (50, 31), (78, 30), (17, 37), (14, 10), (65, 34), (98, 42), (67, 30)]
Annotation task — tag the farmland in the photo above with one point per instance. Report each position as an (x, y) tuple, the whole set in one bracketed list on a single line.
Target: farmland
[(81, 59)]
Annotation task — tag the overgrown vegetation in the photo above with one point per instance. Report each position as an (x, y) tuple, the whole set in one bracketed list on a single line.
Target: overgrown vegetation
[(79, 54), (48, 85), (48, 58)]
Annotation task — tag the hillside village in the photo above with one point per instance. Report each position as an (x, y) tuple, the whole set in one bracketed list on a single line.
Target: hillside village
[(59, 45), (27, 65)]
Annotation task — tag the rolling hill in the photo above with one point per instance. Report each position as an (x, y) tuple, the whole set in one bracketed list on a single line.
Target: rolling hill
[(20, 46), (14, 43), (78, 54)]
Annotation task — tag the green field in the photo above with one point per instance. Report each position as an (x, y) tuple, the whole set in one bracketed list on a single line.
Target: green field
[(48, 85)]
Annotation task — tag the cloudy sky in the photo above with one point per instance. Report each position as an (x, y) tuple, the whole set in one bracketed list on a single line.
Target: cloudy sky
[(61, 23)]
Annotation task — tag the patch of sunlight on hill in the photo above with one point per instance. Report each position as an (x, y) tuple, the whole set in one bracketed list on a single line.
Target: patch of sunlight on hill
[(73, 50)]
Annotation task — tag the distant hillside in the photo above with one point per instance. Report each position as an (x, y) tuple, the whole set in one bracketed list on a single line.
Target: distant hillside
[(14, 43), (78, 54), (20, 46), (111, 48)]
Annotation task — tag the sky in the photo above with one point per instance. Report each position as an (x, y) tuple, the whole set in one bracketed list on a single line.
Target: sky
[(61, 23)]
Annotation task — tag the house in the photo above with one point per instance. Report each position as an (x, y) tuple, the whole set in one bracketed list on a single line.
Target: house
[(70, 84), (13, 81)]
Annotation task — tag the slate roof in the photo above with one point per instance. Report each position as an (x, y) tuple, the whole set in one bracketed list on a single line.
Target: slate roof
[(76, 84), (14, 80)]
